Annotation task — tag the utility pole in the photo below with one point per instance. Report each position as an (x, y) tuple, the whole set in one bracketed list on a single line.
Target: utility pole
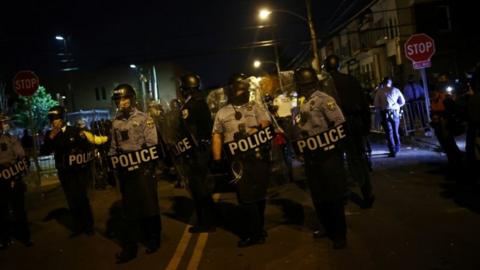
[(313, 36)]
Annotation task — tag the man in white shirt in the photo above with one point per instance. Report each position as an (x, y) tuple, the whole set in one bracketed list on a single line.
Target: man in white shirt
[(389, 100)]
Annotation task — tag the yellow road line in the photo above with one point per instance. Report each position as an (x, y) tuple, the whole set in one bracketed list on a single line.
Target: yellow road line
[(182, 246), (201, 243), (198, 252)]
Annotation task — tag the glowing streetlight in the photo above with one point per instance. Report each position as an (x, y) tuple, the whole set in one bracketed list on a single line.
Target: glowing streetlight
[(258, 63), (58, 37), (133, 66), (264, 14)]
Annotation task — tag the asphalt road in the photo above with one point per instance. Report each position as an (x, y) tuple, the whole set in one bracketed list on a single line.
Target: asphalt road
[(419, 221)]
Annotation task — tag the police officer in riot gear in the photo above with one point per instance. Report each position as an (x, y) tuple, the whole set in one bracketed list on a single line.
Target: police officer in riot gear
[(12, 189), (236, 122), (73, 160), (350, 97), (132, 150), (323, 164), (195, 127)]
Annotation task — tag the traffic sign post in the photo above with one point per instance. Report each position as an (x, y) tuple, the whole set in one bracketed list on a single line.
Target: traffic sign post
[(419, 48), (26, 83)]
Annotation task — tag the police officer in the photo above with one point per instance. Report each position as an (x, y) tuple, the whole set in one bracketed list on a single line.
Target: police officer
[(324, 169), (132, 133), (12, 189), (73, 159), (352, 101), (193, 148), (234, 122), (389, 100)]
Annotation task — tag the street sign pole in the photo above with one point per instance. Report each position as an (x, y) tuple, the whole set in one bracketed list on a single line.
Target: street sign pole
[(423, 74), (419, 48)]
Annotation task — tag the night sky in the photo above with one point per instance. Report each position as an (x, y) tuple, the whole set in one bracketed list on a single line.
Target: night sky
[(213, 38)]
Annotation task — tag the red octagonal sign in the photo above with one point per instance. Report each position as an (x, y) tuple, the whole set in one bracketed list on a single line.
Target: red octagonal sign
[(26, 82), (419, 47)]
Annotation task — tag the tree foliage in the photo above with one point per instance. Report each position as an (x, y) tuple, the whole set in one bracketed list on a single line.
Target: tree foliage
[(31, 112)]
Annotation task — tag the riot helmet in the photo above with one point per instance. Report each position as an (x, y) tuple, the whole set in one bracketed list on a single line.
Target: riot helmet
[(238, 89), (189, 84), (124, 91), (56, 112), (121, 94), (306, 80), (332, 63)]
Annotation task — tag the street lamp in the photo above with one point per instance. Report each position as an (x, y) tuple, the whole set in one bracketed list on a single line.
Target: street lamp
[(258, 63), (62, 38), (265, 13), (143, 80)]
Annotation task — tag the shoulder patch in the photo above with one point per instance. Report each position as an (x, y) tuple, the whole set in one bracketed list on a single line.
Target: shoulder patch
[(150, 122), (185, 113), (331, 105)]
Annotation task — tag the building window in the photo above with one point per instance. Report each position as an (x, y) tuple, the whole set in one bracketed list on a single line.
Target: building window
[(104, 93), (97, 94)]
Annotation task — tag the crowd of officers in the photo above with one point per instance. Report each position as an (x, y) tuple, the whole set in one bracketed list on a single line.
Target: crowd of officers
[(328, 133)]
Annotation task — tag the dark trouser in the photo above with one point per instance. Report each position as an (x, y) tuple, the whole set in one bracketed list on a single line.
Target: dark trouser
[(149, 229), (391, 124), (254, 221), (75, 185), (357, 162), (251, 194), (447, 142), (287, 126), (141, 210), (326, 180), (472, 148), (331, 215), (13, 199), (196, 168)]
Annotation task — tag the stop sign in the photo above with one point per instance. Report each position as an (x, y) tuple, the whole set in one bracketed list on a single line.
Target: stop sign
[(25, 82), (419, 47)]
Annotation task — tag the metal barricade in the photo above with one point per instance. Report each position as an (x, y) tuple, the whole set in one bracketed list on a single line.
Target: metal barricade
[(42, 174), (414, 119)]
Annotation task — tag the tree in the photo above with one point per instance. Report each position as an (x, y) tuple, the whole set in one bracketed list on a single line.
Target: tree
[(32, 111)]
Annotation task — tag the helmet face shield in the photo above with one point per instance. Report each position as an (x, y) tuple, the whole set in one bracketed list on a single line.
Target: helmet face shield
[(306, 80), (121, 93), (190, 81), (332, 63)]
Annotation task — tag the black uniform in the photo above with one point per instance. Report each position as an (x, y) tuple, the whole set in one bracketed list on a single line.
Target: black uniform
[(196, 125), (350, 97), (73, 161), (12, 192)]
